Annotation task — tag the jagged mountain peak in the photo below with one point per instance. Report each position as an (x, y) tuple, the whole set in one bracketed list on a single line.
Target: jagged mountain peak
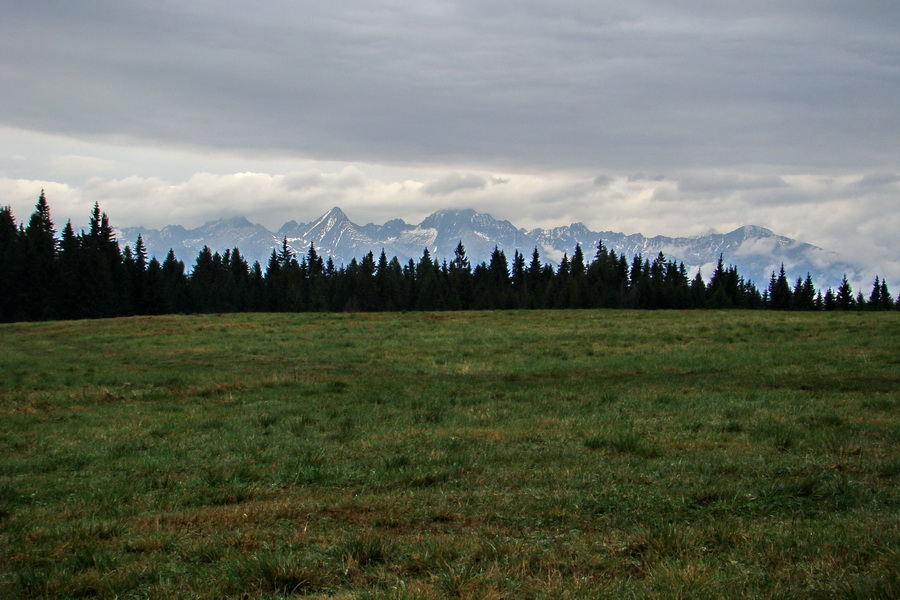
[(751, 231), (237, 222), (449, 217), (336, 213)]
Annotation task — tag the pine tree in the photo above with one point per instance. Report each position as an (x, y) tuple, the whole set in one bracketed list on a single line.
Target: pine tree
[(40, 285), (460, 280), (880, 298), (844, 297), (204, 282), (887, 302), (174, 285), (698, 291), (807, 297), (389, 284), (137, 278), (11, 268), (365, 284), (499, 282), (102, 278), (517, 279), (578, 267), (535, 282), (830, 300), (315, 289), (780, 291), (577, 282), (425, 278), (153, 300)]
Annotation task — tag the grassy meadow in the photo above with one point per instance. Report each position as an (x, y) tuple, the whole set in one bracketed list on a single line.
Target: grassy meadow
[(569, 454)]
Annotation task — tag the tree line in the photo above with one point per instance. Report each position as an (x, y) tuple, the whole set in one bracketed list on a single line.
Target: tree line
[(46, 276)]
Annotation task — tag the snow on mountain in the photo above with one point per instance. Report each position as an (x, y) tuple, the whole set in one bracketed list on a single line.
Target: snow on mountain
[(756, 251), (254, 241)]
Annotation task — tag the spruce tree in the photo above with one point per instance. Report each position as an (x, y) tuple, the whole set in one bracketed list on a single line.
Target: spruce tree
[(844, 297), (174, 285), (830, 300), (137, 277), (577, 283), (498, 280), (365, 286), (887, 302), (40, 285), (102, 277), (460, 280), (780, 291), (698, 291), (534, 282), (11, 267)]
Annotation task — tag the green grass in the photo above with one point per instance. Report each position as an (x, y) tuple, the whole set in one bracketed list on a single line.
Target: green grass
[(570, 454)]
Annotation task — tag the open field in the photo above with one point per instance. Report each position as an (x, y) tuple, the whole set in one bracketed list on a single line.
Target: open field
[(455, 455)]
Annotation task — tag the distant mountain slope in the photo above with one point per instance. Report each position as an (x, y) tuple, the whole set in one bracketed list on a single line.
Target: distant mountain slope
[(756, 251)]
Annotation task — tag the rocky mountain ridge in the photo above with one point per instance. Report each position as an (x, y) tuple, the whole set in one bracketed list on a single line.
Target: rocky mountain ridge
[(756, 251)]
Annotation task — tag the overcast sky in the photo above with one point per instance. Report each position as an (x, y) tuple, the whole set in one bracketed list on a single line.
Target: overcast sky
[(637, 116)]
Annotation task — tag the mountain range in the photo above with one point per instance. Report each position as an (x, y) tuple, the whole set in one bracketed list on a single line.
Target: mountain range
[(755, 251)]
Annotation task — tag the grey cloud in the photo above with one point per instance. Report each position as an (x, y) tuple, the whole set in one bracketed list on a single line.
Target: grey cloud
[(502, 83), (454, 182), (641, 176), (301, 181), (729, 183), (878, 179)]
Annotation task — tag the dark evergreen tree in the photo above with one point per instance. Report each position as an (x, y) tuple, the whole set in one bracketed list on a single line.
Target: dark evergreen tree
[(517, 279), (577, 266), (207, 282), (11, 268), (722, 289), (830, 300), (389, 284), (804, 296), (780, 291), (576, 285), (174, 285), (844, 297), (600, 289), (535, 282), (40, 285), (153, 301), (459, 275), (880, 298), (69, 264), (102, 273), (316, 288), (427, 295), (697, 291), (365, 288), (136, 276), (887, 302), (495, 288)]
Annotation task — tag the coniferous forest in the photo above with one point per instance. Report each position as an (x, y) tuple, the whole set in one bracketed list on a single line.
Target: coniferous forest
[(46, 275)]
